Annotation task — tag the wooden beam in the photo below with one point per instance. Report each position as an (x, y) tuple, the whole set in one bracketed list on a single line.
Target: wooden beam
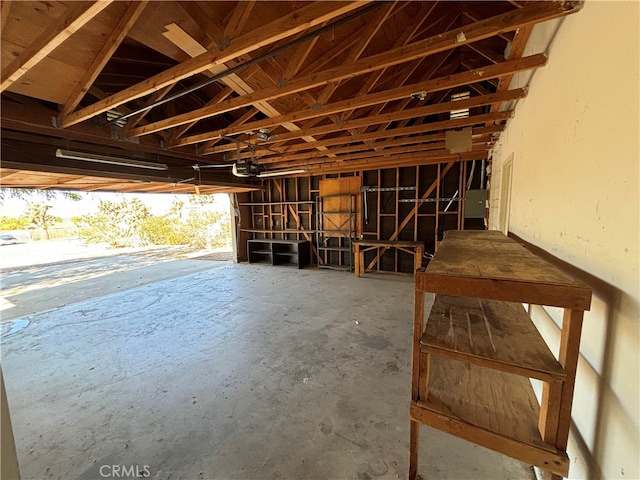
[(204, 20), (384, 118), (297, 21), (298, 58), (436, 61), (133, 121), (182, 129), (474, 32), (184, 41), (486, 52), (517, 49), (436, 84), (50, 39), (388, 148), (365, 36), (399, 139), (111, 44), (401, 161), (413, 213), (239, 18), (5, 9)]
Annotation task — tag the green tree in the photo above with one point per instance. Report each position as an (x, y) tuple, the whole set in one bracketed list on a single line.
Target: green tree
[(14, 223), (207, 229), (201, 200), (162, 231), (176, 209), (30, 193), (116, 223), (38, 214)]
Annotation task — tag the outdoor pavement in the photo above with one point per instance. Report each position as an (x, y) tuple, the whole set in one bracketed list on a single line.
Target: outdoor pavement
[(39, 276)]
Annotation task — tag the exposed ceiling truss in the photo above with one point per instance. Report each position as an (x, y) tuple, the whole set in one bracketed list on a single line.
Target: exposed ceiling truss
[(307, 87)]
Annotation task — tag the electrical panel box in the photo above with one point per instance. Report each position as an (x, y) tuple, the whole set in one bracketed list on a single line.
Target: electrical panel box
[(475, 204)]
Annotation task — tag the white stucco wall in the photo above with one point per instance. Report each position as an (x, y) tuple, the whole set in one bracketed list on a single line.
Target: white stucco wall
[(575, 144)]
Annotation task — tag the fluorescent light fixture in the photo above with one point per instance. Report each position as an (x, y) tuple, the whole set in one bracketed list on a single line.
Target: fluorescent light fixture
[(91, 157), (276, 173)]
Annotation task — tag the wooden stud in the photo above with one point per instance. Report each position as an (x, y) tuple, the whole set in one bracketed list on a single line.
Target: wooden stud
[(414, 210), (104, 55), (451, 39), (568, 358), (239, 17), (295, 22), (440, 83), (51, 38)]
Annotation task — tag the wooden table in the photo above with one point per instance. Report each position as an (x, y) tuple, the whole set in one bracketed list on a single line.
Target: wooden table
[(414, 248), (473, 359)]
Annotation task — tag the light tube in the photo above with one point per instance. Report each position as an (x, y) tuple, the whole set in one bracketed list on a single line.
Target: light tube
[(276, 173), (91, 157)]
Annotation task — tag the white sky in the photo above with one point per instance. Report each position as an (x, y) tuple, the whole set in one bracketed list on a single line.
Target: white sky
[(158, 203)]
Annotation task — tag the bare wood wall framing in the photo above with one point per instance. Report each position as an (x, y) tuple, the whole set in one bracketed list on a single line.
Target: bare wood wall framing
[(417, 203)]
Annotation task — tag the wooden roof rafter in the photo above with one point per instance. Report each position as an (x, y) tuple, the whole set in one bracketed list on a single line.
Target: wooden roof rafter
[(50, 39), (347, 98), (449, 81), (297, 21), (430, 46)]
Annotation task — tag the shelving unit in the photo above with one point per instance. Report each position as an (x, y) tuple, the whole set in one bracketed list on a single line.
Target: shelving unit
[(279, 252), (335, 230), (473, 360)]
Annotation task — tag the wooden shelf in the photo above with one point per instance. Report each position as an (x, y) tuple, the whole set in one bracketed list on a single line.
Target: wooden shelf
[(472, 361), (299, 202), (493, 334), (490, 408), (489, 265), (256, 230), (279, 252)]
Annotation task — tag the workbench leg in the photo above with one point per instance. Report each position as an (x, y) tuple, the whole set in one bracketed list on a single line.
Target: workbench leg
[(414, 427), (568, 358), (417, 261), (357, 259), (414, 444), (549, 416)]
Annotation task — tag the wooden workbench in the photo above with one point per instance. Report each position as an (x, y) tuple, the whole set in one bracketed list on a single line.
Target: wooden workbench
[(473, 360), (414, 248)]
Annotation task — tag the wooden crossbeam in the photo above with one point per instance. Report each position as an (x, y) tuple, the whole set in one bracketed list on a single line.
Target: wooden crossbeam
[(185, 42), (5, 9), (135, 120), (239, 17), (182, 129), (435, 60), (386, 119), (110, 45), (438, 43), (50, 39), (390, 117), (420, 129), (297, 21), (364, 38), (361, 152), (412, 213), (440, 83), (409, 160), (517, 49)]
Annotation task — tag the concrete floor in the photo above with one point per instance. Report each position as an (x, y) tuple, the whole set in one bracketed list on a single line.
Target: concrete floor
[(237, 372)]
